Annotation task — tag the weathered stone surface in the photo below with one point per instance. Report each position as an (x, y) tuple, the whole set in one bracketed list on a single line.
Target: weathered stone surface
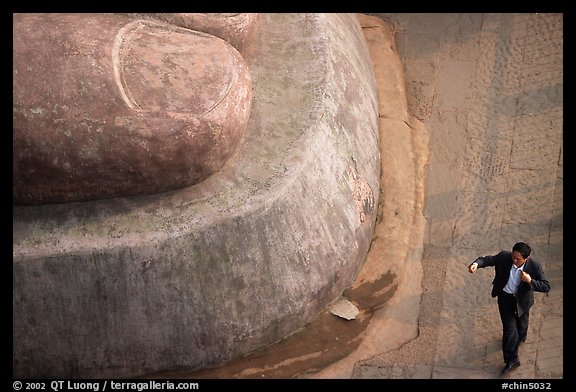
[(238, 29), (501, 163), (390, 83), (108, 106), (200, 275)]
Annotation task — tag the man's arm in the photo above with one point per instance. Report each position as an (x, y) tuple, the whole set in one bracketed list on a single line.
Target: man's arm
[(481, 262)]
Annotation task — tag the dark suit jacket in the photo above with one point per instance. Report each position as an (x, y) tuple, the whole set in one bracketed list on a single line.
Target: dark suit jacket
[(502, 262)]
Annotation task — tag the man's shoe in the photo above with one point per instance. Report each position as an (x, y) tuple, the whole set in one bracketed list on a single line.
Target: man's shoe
[(510, 366)]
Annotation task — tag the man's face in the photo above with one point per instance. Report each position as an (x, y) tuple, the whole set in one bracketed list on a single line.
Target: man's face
[(517, 258)]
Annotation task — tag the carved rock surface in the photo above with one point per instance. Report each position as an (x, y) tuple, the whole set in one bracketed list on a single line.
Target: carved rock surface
[(107, 106), (238, 29), (196, 277)]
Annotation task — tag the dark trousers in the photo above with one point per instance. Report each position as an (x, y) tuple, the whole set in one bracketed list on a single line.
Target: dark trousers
[(514, 327)]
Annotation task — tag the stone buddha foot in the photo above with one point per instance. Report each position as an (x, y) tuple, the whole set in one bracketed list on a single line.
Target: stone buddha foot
[(108, 105), (118, 105)]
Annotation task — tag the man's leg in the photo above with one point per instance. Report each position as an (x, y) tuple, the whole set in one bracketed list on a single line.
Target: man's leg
[(507, 309), (522, 326)]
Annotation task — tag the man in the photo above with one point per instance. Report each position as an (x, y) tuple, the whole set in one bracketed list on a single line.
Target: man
[(517, 276)]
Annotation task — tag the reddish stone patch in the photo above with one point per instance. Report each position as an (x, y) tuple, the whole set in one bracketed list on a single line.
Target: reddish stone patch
[(238, 29), (107, 106)]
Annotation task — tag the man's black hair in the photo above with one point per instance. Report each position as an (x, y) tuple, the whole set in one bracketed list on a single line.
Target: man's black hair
[(523, 248)]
